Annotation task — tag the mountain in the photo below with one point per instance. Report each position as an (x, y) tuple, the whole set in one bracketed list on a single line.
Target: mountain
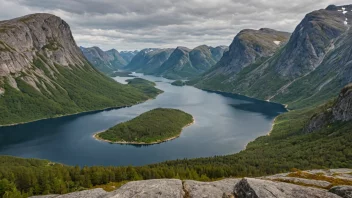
[(44, 74), (116, 59), (148, 60), (105, 61), (128, 55), (176, 63), (308, 70), (247, 47)]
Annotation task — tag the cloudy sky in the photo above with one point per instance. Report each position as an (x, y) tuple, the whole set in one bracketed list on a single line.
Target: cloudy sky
[(138, 24)]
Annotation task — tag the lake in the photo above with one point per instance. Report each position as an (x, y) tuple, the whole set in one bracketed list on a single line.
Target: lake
[(224, 124)]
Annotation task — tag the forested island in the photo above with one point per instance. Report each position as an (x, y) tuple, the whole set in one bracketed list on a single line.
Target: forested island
[(178, 83), (152, 127)]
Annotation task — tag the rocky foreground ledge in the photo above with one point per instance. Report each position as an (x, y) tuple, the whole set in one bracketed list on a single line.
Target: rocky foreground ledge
[(333, 183)]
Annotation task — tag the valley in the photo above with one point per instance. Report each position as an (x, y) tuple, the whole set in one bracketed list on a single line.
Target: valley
[(247, 118), (69, 140)]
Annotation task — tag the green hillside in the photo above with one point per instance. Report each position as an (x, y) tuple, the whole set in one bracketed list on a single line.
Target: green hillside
[(78, 90), (288, 146)]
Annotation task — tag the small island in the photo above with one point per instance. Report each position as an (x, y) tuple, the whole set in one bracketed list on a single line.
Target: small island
[(178, 83), (146, 86), (152, 127)]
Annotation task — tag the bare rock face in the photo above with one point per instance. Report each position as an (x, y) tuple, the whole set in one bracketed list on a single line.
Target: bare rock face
[(23, 38), (342, 110), (295, 180), (279, 186), (256, 188), (217, 189), (94, 193), (343, 191), (168, 188), (247, 47)]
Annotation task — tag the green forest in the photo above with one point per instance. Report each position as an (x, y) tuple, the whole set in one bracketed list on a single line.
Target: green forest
[(153, 126), (75, 90), (178, 83), (287, 147)]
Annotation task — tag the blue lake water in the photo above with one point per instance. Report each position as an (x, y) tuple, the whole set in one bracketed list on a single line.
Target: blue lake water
[(224, 124)]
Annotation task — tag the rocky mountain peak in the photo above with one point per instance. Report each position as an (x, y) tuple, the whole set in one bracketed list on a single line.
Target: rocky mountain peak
[(182, 49), (25, 37), (312, 39), (248, 46)]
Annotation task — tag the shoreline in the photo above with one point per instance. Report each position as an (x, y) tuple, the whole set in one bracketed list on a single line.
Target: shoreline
[(272, 126), (82, 112), (60, 116), (96, 137)]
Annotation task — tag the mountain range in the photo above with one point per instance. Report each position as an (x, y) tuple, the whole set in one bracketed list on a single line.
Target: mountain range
[(305, 69), (176, 63), (107, 61), (44, 74)]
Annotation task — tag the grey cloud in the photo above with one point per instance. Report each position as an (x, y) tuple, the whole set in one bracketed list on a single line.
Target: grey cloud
[(135, 24)]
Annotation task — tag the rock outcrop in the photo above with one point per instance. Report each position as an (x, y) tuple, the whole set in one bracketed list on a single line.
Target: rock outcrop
[(342, 191), (342, 110), (256, 188), (291, 185), (339, 110)]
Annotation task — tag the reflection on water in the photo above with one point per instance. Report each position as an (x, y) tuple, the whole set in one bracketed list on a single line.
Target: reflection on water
[(224, 124)]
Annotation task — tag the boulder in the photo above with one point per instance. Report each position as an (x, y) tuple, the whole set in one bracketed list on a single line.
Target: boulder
[(257, 188), (343, 191)]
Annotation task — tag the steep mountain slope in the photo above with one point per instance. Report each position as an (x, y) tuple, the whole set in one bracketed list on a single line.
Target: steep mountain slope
[(176, 63), (44, 74), (248, 47), (308, 70), (148, 60), (128, 55), (106, 62), (218, 52), (116, 59), (333, 70), (185, 63)]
